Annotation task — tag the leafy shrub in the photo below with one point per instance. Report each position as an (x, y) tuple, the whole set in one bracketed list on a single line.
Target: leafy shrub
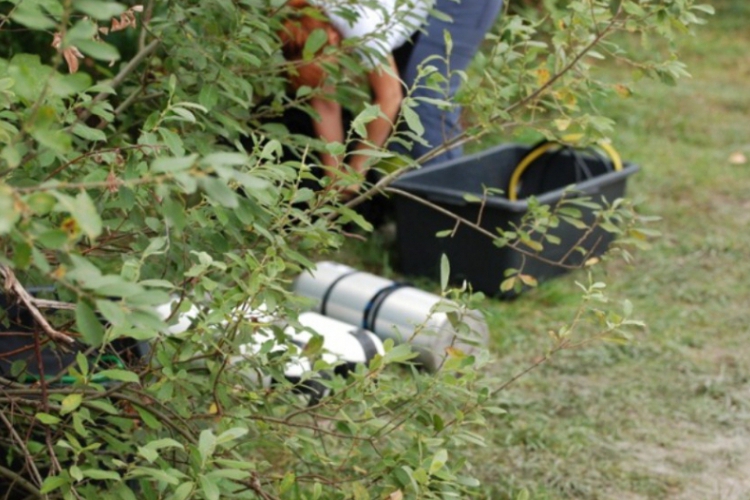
[(138, 163)]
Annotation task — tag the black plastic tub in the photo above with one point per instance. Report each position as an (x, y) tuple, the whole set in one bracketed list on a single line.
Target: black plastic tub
[(473, 256)]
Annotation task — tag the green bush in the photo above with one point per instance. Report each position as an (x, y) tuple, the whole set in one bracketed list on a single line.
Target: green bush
[(137, 164)]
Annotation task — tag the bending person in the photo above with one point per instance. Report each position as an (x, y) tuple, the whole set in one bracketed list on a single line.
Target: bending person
[(381, 29), (470, 22)]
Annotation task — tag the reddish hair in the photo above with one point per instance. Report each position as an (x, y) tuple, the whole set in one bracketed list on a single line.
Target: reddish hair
[(294, 34)]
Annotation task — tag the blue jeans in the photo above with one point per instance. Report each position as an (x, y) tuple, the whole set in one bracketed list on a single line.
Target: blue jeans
[(472, 19)]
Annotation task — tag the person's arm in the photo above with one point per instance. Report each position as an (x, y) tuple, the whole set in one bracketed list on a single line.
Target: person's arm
[(388, 94), (330, 128)]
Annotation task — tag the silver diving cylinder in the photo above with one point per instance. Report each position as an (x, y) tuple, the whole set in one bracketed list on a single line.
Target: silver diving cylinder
[(344, 346), (391, 310), (294, 370), (350, 345)]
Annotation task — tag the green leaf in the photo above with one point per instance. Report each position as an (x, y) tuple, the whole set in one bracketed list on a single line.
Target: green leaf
[(166, 165), (30, 14), (40, 203), (528, 280), (627, 308), (148, 418), (47, 419), (287, 482), (166, 476), (121, 375), (399, 354), (83, 210), (219, 192), (88, 133), (101, 474), (164, 443), (103, 406), (83, 363), (314, 43), (11, 155), (112, 311), (98, 50), (231, 435), (708, 9), (348, 214), (53, 138), (313, 346), (30, 75), (172, 83), (89, 325), (438, 461), (9, 214), (363, 118), (68, 85), (52, 483), (183, 113), (54, 239), (235, 474), (533, 244), (82, 30), (172, 140), (577, 223), (508, 284), (208, 96), (206, 444), (183, 491), (445, 272), (99, 9), (412, 120), (22, 255), (70, 403), (224, 159), (209, 488), (148, 453)]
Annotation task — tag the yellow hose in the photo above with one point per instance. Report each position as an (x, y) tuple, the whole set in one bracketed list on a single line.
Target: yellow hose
[(543, 148)]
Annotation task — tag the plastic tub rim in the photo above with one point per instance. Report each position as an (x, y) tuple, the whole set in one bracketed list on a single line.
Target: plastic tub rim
[(455, 197)]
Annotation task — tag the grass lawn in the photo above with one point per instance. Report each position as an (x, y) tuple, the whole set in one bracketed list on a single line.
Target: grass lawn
[(668, 415)]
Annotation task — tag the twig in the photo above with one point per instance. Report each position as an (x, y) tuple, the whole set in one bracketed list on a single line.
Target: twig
[(12, 285), (461, 220), (53, 304), (18, 479), (27, 456), (94, 153), (145, 20), (120, 77), (258, 488)]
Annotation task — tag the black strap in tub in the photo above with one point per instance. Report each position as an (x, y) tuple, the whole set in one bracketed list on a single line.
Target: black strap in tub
[(370, 313), (329, 290)]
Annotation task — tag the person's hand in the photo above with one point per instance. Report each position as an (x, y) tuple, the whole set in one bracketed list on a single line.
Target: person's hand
[(350, 192)]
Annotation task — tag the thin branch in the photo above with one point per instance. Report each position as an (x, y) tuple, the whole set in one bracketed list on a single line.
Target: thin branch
[(480, 229), (121, 76), (258, 488), (53, 304), (95, 153), (12, 285), (22, 482), (145, 21), (22, 445)]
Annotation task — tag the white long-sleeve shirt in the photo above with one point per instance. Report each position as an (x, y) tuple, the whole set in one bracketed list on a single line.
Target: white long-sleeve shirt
[(382, 26)]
